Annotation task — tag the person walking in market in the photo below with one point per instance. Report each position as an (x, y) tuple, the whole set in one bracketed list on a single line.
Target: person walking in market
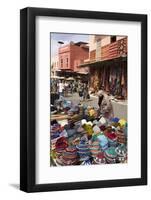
[(85, 92), (80, 90), (105, 106), (61, 89)]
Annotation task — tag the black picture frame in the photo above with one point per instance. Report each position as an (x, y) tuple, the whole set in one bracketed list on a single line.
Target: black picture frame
[(28, 99)]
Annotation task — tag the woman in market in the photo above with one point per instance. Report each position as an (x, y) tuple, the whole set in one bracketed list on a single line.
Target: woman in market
[(104, 103), (60, 89), (80, 90), (85, 92)]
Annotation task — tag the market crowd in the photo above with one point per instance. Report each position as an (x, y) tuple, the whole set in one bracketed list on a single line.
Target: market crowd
[(64, 88)]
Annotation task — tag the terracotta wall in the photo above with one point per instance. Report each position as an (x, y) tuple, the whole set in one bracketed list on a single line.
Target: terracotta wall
[(75, 54), (78, 55), (93, 55)]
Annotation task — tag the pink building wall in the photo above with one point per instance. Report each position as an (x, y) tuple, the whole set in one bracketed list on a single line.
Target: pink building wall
[(74, 54)]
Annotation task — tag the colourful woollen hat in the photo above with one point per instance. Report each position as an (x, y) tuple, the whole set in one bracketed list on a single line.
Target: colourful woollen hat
[(112, 138), (100, 159), (121, 151), (96, 129), (103, 141), (88, 128), (110, 155), (83, 121), (122, 122), (70, 156), (115, 119), (56, 128), (61, 145), (96, 122), (91, 112), (94, 147), (71, 132), (102, 127), (103, 121), (121, 138), (83, 148), (64, 133)]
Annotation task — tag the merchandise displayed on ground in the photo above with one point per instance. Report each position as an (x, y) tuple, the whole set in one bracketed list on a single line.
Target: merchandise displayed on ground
[(79, 136)]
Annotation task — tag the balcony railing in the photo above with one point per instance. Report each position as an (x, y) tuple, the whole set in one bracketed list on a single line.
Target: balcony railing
[(114, 50)]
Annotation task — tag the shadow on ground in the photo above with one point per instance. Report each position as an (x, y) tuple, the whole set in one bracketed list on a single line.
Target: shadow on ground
[(15, 185)]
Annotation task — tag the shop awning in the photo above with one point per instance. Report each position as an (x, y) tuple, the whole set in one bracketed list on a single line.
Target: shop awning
[(70, 79)]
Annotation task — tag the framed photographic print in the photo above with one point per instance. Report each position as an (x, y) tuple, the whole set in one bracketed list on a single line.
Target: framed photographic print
[(83, 99)]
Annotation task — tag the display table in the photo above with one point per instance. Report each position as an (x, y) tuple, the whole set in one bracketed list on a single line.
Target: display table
[(120, 109)]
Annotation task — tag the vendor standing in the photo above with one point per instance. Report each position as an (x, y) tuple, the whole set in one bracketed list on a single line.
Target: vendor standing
[(105, 106), (60, 89), (85, 91)]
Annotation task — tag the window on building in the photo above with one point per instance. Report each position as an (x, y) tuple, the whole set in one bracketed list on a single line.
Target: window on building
[(113, 39), (67, 62), (61, 63)]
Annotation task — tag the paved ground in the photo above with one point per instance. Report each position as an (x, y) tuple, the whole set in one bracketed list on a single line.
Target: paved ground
[(119, 108), (93, 101)]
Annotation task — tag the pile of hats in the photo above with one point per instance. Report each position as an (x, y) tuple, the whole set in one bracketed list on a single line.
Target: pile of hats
[(110, 155), (60, 146), (83, 148), (69, 156), (87, 140), (121, 151), (55, 130)]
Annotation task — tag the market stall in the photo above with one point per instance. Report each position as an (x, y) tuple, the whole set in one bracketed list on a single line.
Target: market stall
[(80, 137)]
